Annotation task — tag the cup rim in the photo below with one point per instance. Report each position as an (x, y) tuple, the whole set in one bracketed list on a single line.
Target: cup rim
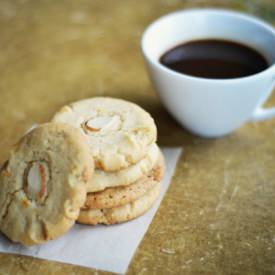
[(241, 15)]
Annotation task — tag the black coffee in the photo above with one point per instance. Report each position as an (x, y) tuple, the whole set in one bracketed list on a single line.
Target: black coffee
[(213, 58)]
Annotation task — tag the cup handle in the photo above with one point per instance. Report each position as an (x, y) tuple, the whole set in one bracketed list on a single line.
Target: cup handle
[(264, 113)]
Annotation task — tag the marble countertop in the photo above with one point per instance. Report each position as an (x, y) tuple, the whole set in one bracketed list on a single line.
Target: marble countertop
[(218, 216)]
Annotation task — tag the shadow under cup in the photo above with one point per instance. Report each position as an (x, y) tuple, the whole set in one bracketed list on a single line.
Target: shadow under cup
[(210, 107)]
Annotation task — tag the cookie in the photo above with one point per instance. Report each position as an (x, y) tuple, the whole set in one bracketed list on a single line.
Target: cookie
[(102, 180), (122, 213), (117, 196), (119, 132), (43, 184)]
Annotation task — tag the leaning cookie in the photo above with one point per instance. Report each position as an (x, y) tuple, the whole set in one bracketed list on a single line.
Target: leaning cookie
[(102, 180), (43, 184), (121, 195), (122, 213), (119, 132)]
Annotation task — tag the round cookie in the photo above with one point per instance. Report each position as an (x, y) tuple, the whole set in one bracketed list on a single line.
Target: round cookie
[(119, 132), (121, 195), (102, 180), (43, 184), (122, 213)]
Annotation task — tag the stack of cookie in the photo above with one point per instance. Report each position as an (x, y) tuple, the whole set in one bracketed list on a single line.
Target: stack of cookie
[(96, 162), (128, 164)]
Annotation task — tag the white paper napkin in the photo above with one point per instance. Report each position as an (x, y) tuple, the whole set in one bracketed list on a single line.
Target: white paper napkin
[(108, 248)]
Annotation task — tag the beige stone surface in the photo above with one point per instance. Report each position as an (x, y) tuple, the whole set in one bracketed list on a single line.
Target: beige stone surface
[(218, 215)]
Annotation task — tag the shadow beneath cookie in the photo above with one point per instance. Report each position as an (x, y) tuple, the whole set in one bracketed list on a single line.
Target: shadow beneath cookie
[(170, 132)]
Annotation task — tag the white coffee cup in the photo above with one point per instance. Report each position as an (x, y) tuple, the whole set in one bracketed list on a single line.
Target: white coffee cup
[(210, 107)]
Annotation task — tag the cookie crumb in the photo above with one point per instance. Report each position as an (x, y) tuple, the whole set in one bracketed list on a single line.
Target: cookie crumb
[(168, 251)]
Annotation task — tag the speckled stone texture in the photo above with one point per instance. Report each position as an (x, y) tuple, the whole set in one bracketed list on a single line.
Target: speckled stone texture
[(218, 216)]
